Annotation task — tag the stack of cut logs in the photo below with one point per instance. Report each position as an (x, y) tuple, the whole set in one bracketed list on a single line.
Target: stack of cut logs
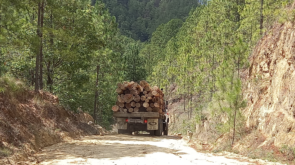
[(134, 97)]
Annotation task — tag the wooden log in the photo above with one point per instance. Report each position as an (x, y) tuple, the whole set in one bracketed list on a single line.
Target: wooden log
[(115, 108), (134, 92), (128, 105), (136, 98), (128, 98), (122, 105), (149, 94), (155, 109), (143, 83), (130, 110), (152, 105), (139, 88), (136, 109), (137, 105), (147, 88), (155, 93), (133, 104), (120, 98), (155, 88), (127, 91), (121, 109), (130, 85), (149, 109), (145, 92), (124, 85), (119, 90), (125, 110), (143, 98), (157, 105), (146, 104)]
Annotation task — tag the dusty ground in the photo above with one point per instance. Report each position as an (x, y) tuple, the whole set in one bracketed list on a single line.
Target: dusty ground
[(132, 150)]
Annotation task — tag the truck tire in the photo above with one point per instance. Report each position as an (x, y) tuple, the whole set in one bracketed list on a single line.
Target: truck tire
[(160, 128), (166, 129)]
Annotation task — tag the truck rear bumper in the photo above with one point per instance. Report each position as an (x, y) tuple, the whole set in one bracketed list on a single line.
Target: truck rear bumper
[(137, 124), (137, 114)]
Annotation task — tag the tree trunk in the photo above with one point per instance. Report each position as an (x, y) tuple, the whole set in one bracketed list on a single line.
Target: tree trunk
[(37, 84), (41, 46), (234, 131), (49, 65), (49, 76), (261, 17), (96, 94)]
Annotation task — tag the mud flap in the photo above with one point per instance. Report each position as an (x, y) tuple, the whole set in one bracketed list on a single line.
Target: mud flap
[(152, 124), (121, 123)]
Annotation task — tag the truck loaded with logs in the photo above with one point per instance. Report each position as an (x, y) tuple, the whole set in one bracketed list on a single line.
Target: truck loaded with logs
[(140, 107)]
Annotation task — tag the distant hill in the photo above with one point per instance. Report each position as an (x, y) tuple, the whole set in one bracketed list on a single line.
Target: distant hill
[(138, 19)]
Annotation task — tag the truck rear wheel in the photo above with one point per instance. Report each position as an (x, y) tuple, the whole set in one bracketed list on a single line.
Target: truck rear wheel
[(160, 128)]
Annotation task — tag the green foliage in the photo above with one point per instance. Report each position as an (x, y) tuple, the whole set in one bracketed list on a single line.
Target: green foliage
[(202, 55), (5, 152), (204, 58), (77, 37), (138, 19), (133, 63), (12, 87)]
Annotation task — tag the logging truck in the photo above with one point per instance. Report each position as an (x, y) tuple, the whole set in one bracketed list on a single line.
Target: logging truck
[(140, 107)]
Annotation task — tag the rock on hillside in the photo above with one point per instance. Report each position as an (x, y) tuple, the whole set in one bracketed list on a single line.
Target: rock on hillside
[(29, 122), (269, 87)]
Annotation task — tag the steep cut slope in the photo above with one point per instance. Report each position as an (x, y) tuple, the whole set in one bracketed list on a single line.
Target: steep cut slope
[(30, 121), (270, 88)]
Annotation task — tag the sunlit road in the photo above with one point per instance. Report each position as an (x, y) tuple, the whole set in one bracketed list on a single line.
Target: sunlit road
[(128, 150)]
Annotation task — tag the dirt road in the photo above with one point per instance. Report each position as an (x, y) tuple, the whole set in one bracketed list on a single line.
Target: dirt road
[(129, 150)]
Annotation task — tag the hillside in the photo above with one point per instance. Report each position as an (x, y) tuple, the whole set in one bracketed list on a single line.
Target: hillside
[(138, 19), (267, 125), (270, 92), (30, 121)]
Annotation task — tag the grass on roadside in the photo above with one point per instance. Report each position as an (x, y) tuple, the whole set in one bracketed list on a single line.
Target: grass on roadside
[(5, 152)]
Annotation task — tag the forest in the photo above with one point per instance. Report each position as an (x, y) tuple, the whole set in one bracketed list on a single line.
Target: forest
[(80, 49)]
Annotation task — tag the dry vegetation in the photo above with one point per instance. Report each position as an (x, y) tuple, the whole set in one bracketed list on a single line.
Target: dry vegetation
[(30, 121)]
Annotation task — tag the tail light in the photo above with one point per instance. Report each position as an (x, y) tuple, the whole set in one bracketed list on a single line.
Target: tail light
[(145, 121), (126, 120)]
